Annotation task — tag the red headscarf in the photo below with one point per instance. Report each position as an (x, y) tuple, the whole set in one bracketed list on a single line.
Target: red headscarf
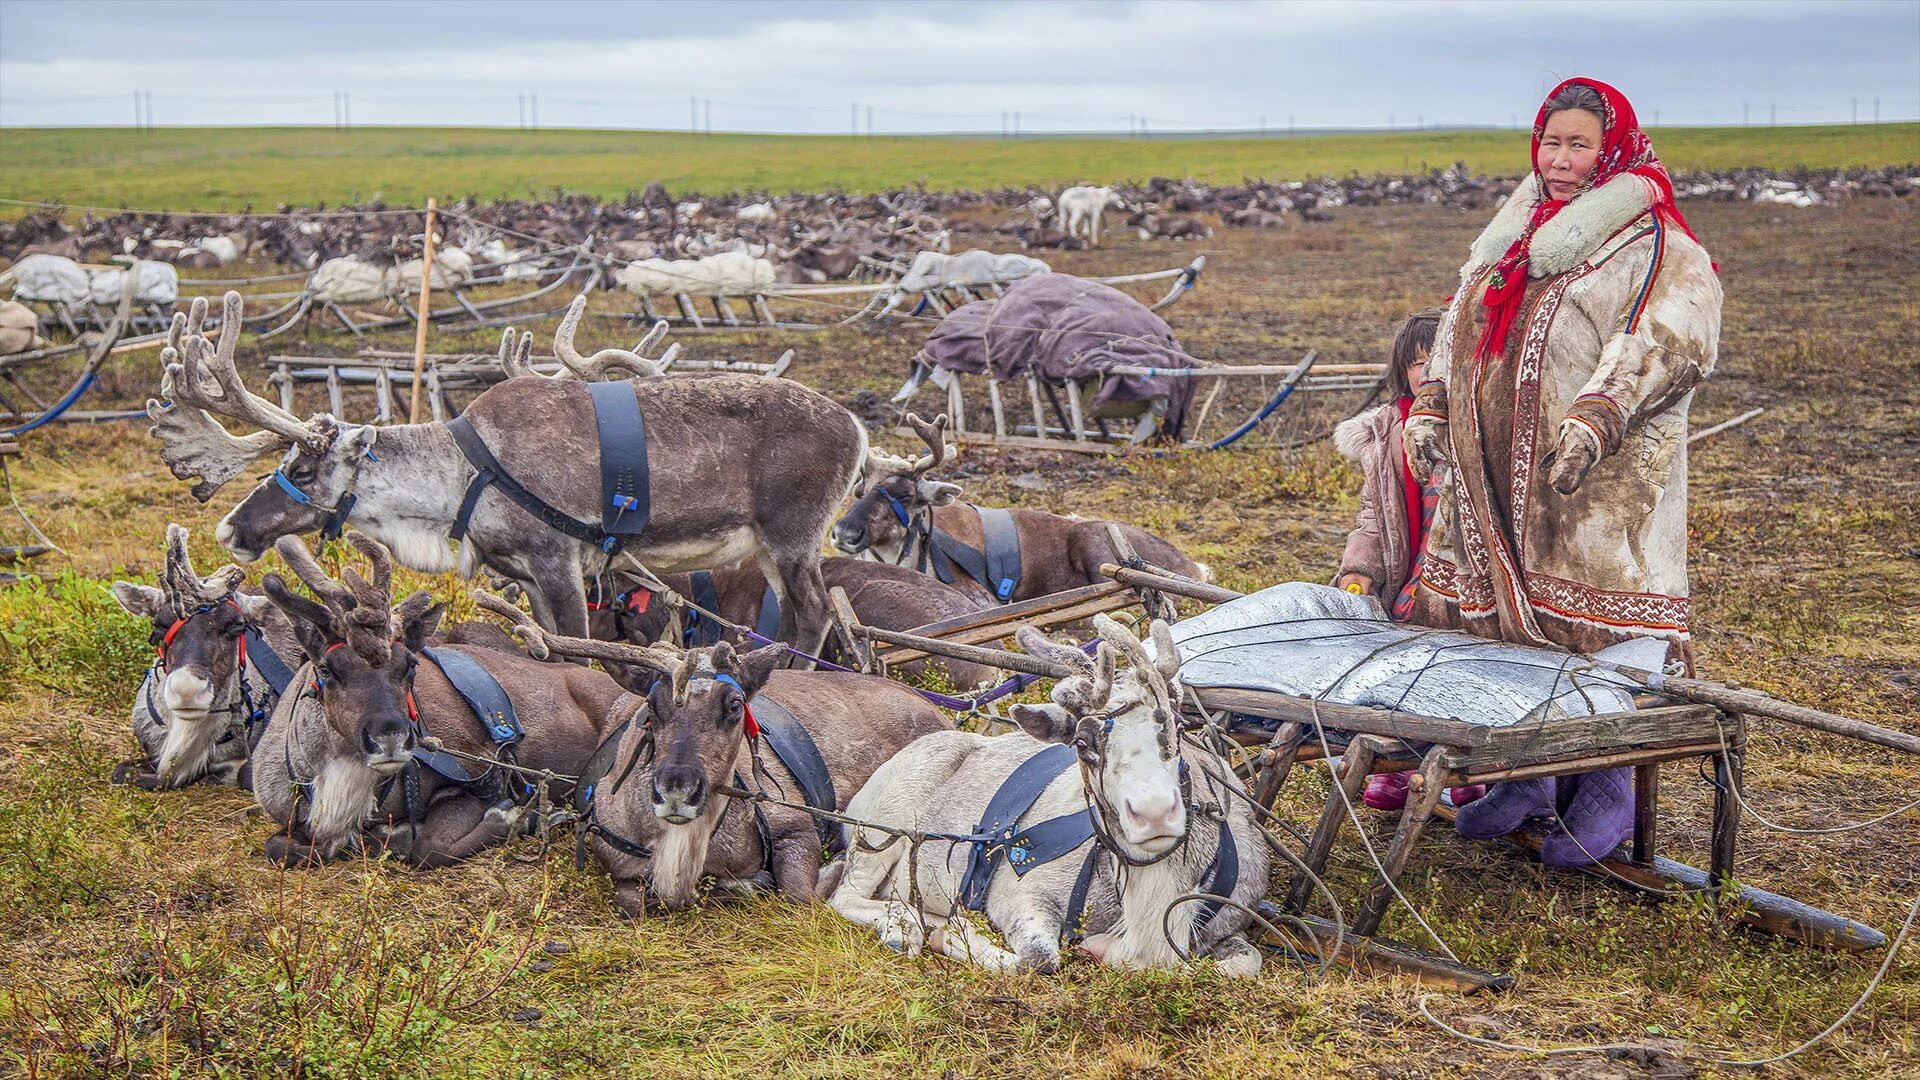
[(1624, 148)]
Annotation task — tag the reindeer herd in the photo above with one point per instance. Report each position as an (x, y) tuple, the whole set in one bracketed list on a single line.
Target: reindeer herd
[(695, 759)]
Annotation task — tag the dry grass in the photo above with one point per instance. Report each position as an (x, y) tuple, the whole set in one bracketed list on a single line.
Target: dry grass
[(143, 934)]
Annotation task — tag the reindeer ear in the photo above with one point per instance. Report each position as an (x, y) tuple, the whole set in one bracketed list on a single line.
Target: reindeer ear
[(253, 605), (757, 666), (1048, 723), (420, 617), (144, 601)]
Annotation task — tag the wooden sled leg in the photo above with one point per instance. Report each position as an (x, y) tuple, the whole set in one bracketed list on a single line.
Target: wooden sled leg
[(1277, 762), (1413, 820), (725, 311), (687, 309), (1355, 765), (761, 309)]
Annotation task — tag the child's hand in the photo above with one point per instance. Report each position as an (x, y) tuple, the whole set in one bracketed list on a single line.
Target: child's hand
[(1354, 583)]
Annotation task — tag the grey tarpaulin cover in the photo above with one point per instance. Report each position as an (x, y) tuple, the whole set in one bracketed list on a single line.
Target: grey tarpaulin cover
[(1301, 638), (1064, 327)]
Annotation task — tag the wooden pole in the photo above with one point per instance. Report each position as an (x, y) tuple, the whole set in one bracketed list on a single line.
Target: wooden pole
[(426, 305), (1754, 703), (1718, 428)]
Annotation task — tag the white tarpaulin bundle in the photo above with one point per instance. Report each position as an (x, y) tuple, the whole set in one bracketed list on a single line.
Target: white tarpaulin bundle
[(153, 283), (933, 270), (348, 280), (451, 266), (51, 279), (730, 273), (1320, 642)]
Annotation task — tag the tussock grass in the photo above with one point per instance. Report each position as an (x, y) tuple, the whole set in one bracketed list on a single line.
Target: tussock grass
[(144, 935)]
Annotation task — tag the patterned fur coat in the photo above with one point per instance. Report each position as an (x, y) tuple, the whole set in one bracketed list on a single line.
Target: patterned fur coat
[(1620, 322)]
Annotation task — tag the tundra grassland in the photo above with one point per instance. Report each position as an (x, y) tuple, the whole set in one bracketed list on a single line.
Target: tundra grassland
[(143, 934), (231, 168)]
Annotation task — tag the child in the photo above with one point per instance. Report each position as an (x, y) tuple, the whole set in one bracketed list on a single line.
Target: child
[(1383, 552)]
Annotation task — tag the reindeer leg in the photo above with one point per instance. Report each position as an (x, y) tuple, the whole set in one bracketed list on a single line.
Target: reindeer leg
[(870, 890), (804, 611), (796, 862), (461, 827)]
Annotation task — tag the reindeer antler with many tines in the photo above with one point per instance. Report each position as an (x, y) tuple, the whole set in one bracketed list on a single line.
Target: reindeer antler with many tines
[(881, 464), (1086, 690), (186, 591), (359, 611), (607, 363), (199, 381)]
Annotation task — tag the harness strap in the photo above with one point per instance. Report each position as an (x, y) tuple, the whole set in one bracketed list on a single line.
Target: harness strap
[(999, 824), (484, 463), (768, 625), (1072, 923), (701, 630), (482, 693), (1002, 540), (794, 746), (624, 504), (1220, 879), (267, 662), (463, 520)]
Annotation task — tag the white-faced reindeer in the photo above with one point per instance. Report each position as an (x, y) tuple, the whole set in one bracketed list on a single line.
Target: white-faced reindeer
[(739, 466), (204, 703), (1094, 819), (655, 813), (1083, 209), (376, 747), (904, 518)]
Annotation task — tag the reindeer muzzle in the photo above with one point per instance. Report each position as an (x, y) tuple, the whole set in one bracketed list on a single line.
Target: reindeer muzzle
[(679, 794)]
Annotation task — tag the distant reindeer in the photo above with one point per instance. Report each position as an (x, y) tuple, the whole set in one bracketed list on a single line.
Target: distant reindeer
[(1082, 208)]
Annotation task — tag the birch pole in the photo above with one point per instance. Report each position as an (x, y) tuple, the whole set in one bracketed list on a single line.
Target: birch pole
[(426, 306)]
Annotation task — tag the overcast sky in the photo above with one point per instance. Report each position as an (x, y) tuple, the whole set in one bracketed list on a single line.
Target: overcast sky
[(952, 65)]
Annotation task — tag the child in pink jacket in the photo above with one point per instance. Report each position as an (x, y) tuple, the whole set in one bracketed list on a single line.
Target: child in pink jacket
[(1383, 557)]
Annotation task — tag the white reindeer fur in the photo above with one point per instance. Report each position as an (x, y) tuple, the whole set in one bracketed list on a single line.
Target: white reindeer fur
[(943, 782), (344, 788), (1082, 207)]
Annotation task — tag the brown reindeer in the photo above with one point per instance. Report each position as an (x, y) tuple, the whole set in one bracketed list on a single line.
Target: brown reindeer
[(1169, 227), (657, 817), (889, 597), (376, 748), (903, 518), (739, 466)]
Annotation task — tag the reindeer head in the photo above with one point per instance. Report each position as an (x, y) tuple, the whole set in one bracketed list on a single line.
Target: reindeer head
[(196, 626), (1124, 724), (362, 647), (893, 492)]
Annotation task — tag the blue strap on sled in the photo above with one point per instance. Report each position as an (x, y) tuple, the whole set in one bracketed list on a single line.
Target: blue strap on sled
[(999, 831), (482, 693), (624, 507)]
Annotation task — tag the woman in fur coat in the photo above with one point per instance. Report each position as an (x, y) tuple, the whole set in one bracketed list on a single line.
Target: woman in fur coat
[(1558, 390)]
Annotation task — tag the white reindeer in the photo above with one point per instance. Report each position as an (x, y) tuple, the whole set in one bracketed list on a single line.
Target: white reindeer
[(1158, 806), (1082, 208)]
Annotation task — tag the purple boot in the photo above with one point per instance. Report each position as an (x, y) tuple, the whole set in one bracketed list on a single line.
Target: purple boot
[(1504, 807), (1597, 819)]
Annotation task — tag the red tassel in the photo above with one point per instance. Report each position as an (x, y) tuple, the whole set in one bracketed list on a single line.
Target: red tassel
[(749, 724)]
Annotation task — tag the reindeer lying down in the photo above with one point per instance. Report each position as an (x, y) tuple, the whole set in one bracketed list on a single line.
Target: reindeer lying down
[(651, 808), (1157, 805), (346, 765), (221, 649)]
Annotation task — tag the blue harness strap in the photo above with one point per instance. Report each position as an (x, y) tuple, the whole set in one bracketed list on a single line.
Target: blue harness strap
[(768, 625), (794, 746), (999, 830), (624, 507)]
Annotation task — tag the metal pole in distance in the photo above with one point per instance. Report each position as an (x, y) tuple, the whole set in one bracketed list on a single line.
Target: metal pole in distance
[(426, 306)]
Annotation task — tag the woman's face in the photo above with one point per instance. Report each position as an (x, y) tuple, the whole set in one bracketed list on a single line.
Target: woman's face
[(1568, 148)]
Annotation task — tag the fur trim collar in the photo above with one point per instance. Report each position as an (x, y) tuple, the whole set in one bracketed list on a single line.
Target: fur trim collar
[(1574, 234), (1355, 434)]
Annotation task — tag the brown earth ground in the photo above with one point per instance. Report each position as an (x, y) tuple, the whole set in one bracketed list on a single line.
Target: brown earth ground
[(142, 934)]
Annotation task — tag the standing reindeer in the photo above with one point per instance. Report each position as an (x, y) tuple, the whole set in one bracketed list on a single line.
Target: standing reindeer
[(998, 555), (736, 466), (223, 657), (381, 745), (1107, 849)]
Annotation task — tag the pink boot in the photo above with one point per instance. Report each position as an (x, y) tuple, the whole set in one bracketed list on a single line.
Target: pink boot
[(1387, 791), (1461, 796)]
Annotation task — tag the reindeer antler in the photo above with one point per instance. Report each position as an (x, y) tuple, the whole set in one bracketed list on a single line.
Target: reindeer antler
[(881, 464), (194, 443), (543, 644), (1086, 690), (185, 589), (335, 597), (516, 360), (360, 611), (607, 363)]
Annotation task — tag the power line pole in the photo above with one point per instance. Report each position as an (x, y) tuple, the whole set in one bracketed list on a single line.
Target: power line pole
[(1876, 110), (346, 108), (693, 115), (136, 110), (1856, 110), (708, 103), (522, 99), (533, 111), (149, 110), (1016, 124), (869, 121)]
